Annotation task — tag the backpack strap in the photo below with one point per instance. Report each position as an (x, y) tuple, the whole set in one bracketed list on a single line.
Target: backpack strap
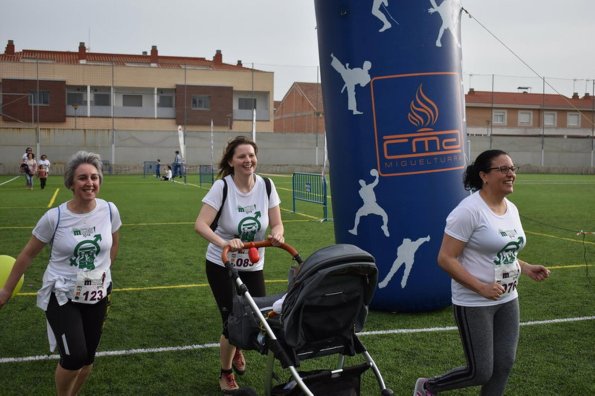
[(267, 183), (216, 220), (55, 230)]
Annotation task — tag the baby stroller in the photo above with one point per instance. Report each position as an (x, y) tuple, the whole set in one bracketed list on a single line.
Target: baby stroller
[(326, 304)]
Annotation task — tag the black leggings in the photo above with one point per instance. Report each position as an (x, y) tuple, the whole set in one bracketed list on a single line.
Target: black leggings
[(77, 328), (223, 288)]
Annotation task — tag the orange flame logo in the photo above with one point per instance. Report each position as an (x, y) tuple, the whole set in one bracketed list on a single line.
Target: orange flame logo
[(423, 112)]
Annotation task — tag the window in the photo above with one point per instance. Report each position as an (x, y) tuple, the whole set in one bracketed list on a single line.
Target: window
[(573, 120), (549, 119), (41, 98), (132, 100), (201, 102), (246, 103), (101, 99), (165, 101), (74, 98), (499, 117), (525, 118)]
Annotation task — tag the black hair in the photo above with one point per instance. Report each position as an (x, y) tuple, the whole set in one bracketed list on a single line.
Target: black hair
[(471, 180)]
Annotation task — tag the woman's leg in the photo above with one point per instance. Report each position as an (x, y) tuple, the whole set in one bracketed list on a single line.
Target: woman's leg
[(506, 337), (476, 329)]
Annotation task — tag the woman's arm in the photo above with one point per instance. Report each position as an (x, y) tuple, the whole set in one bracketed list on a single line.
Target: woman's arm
[(22, 263), (115, 246), (448, 259), (277, 230), (202, 226)]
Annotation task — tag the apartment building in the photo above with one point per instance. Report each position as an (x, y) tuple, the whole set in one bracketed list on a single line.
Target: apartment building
[(84, 90)]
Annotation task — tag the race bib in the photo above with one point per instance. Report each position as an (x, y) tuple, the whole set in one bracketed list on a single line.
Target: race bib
[(507, 275), (240, 259), (90, 286)]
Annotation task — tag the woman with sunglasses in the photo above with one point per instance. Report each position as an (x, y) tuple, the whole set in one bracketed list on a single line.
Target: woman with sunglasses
[(482, 239)]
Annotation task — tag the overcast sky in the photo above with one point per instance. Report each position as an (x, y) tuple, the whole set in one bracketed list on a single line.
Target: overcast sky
[(555, 38)]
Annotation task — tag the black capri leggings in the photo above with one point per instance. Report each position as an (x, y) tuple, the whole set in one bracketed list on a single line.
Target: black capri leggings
[(77, 328), (223, 288)]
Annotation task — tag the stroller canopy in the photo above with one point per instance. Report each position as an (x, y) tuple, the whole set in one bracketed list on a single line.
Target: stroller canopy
[(329, 295)]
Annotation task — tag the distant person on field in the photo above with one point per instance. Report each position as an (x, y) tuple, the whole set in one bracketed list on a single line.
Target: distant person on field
[(27, 151), (158, 169), (246, 212), (168, 174), (42, 175), (178, 165), (83, 236), (31, 170), (45, 162), (482, 239)]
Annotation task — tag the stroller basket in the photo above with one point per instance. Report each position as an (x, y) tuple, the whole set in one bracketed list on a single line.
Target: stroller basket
[(345, 382)]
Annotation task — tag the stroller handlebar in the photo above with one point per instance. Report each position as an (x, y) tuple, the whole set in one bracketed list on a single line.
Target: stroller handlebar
[(247, 245)]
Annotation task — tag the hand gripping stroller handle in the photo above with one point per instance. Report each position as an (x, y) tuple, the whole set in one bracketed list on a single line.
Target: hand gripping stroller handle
[(247, 245)]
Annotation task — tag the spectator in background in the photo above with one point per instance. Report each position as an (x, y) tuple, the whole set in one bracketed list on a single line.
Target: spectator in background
[(178, 165), (27, 151), (31, 170), (158, 169), (168, 175), (42, 174), (45, 162)]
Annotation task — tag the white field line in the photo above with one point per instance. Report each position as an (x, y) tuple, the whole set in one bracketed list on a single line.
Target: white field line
[(128, 352), (8, 181)]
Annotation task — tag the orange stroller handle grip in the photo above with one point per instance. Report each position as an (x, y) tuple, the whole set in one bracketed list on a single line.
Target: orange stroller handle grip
[(247, 245)]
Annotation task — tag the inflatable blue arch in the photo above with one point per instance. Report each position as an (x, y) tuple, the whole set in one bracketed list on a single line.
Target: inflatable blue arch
[(394, 110)]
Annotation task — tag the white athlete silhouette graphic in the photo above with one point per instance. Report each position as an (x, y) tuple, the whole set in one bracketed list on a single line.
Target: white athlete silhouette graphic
[(370, 205), (449, 11), (376, 4), (351, 78), (405, 255)]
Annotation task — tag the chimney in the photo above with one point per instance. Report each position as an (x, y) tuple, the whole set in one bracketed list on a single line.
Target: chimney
[(575, 95), (218, 58), (154, 55), (9, 48), (82, 51), (240, 63), (587, 96), (471, 91)]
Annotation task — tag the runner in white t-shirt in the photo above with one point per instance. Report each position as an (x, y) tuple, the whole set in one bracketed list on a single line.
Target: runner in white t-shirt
[(246, 213), (480, 247), (84, 239)]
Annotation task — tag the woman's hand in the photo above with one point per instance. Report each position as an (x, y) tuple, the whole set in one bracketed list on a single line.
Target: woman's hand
[(493, 291), (234, 244), (535, 272), (276, 238)]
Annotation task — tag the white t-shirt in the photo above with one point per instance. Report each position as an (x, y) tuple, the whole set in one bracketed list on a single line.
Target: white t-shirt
[(45, 163), (492, 246), (81, 241), (244, 216)]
